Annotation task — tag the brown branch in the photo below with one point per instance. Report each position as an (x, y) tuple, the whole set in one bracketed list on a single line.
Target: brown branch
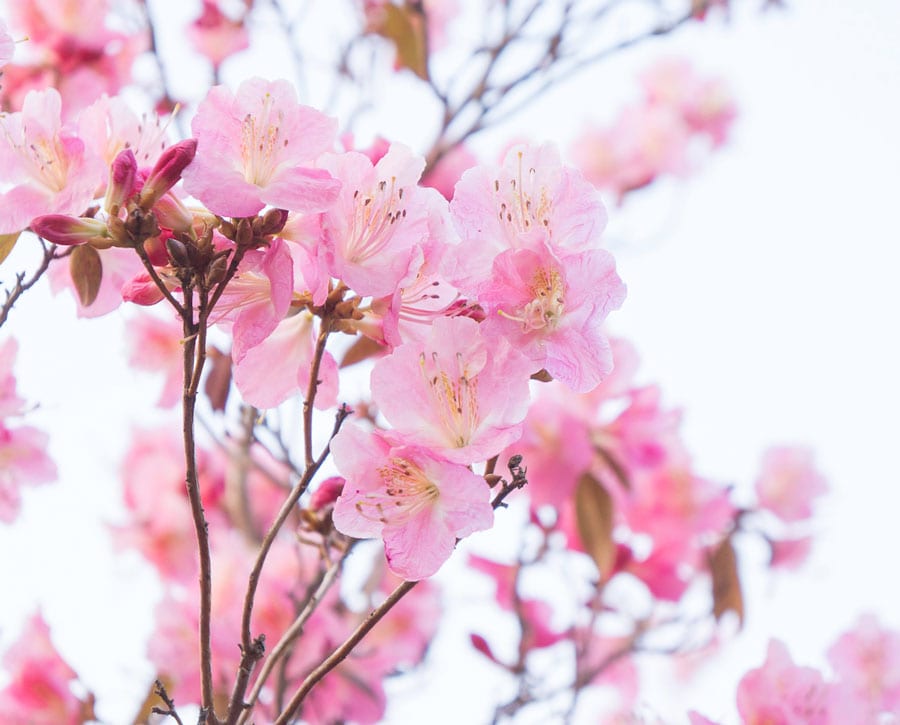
[(22, 286), (292, 633), (237, 696), (169, 711), (341, 653)]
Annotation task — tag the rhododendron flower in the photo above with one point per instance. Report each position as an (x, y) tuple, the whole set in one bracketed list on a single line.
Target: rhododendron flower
[(258, 297), (551, 307), (789, 483), (39, 690), (418, 503), (10, 402), (109, 126), (155, 345), (380, 219), (782, 692), (529, 199), (269, 373), (23, 461), (217, 36), (458, 395), (867, 661), (258, 147), (45, 164)]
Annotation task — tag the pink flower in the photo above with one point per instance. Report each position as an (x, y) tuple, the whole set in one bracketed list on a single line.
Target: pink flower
[(789, 483), (781, 692), (867, 661), (39, 690), (23, 462), (109, 126), (257, 148), (551, 307), (380, 219), (258, 297), (269, 373), (529, 199), (10, 402), (217, 36), (45, 163), (455, 395), (789, 554), (416, 502), (156, 346), (445, 174)]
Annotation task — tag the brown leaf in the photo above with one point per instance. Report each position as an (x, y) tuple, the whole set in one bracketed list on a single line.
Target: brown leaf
[(218, 381), (405, 27), (7, 242), (87, 273), (594, 514), (362, 349), (726, 583)]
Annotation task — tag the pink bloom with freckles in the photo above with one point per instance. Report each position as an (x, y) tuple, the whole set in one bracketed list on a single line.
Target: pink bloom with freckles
[(44, 164), (259, 147), (459, 395), (379, 220), (532, 197), (417, 502), (258, 297), (551, 307)]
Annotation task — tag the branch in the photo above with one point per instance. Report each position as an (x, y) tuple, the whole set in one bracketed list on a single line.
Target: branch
[(237, 696), (160, 690), (340, 654), (292, 633), (22, 286)]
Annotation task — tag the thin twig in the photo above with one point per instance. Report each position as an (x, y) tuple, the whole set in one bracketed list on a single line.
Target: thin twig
[(292, 633), (22, 286)]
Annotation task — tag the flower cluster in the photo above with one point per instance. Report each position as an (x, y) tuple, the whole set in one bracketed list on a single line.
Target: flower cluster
[(681, 114)]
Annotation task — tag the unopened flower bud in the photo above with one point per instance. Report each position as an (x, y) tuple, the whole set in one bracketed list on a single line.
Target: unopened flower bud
[(167, 172), (273, 222), (178, 252), (172, 214), (216, 272), (68, 230), (327, 493), (243, 236), (122, 181)]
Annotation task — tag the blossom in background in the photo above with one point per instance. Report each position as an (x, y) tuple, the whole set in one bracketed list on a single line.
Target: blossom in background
[(789, 483), (39, 691)]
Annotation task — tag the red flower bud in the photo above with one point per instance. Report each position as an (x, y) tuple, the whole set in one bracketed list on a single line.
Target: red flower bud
[(167, 172)]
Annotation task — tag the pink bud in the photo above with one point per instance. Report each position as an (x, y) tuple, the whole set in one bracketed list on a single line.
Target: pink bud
[(142, 291), (68, 230), (327, 492), (122, 180), (172, 214), (167, 172)]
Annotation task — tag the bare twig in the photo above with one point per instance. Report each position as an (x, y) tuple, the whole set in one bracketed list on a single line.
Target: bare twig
[(169, 711), (22, 286)]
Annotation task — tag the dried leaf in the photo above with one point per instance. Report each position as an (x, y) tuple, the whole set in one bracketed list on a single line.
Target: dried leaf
[(594, 514), (218, 381), (87, 273), (726, 583), (7, 242), (362, 349), (405, 27)]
